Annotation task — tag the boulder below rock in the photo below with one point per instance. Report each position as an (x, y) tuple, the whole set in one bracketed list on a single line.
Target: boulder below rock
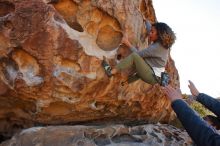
[(117, 135)]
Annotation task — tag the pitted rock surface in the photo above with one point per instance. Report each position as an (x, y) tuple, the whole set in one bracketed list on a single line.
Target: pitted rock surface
[(50, 64), (117, 135)]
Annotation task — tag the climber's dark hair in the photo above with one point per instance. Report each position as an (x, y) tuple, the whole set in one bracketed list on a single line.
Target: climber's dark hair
[(166, 36)]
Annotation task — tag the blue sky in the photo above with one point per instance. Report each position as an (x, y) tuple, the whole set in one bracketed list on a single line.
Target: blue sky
[(197, 49)]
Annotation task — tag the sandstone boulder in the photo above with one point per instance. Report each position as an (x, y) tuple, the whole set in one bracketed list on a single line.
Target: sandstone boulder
[(50, 63)]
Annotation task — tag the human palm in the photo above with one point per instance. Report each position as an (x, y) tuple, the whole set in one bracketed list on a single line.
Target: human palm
[(194, 91)]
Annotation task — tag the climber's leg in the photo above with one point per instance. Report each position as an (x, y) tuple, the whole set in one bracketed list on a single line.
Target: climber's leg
[(144, 71)]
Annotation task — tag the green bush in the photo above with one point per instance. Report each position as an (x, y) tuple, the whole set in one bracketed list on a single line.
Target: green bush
[(200, 109)]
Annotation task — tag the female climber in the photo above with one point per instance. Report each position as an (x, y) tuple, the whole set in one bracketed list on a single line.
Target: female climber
[(150, 62)]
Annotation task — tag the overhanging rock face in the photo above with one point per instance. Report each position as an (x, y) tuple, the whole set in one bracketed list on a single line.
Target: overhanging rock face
[(50, 63)]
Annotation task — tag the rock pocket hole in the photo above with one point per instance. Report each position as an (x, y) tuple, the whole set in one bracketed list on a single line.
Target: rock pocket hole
[(76, 26), (6, 8), (68, 9), (108, 39)]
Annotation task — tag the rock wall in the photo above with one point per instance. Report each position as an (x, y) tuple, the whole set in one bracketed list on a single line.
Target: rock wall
[(50, 64)]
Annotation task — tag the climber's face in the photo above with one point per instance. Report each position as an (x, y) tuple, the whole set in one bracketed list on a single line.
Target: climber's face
[(153, 34)]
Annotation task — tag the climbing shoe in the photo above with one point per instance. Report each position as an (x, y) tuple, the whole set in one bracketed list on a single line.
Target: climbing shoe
[(107, 68)]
